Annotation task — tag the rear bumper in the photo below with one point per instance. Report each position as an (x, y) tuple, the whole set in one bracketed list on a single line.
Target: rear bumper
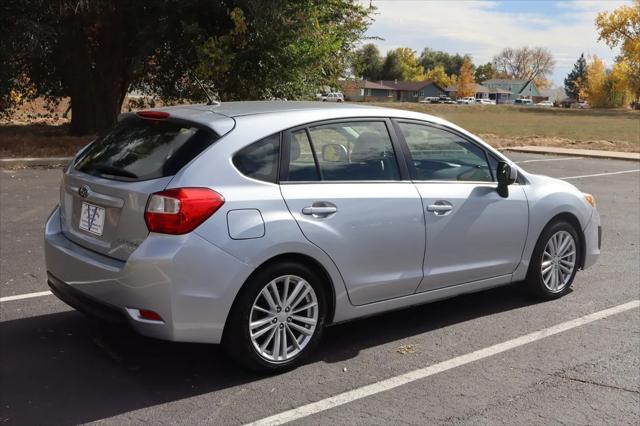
[(592, 239), (188, 281), (83, 303)]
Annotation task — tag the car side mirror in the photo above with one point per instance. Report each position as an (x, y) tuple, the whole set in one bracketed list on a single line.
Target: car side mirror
[(506, 175), (334, 153)]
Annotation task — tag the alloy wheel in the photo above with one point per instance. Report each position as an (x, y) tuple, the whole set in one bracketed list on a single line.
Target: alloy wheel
[(558, 261), (283, 318)]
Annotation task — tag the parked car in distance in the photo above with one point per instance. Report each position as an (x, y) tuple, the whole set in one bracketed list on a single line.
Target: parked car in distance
[(523, 101), (429, 100), (258, 224), (334, 97), (321, 96), (469, 100), (545, 104), (485, 101), (443, 99), (581, 105)]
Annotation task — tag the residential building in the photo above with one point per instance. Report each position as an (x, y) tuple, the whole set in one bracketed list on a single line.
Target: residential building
[(507, 90), (389, 90), (364, 90), (480, 91), (413, 91)]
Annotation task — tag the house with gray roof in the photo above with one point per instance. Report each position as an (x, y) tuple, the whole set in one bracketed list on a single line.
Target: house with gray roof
[(507, 90), (413, 91), (389, 90)]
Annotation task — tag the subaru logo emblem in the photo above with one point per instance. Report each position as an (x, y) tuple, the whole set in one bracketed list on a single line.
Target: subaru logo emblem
[(83, 191)]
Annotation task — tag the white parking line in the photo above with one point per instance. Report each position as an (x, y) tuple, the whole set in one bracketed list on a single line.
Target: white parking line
[(601, 174), (549, 159), (403, 379), (25, 296)]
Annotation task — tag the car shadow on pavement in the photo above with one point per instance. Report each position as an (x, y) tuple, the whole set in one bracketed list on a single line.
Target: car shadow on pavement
[(63, 368), (345, 341)]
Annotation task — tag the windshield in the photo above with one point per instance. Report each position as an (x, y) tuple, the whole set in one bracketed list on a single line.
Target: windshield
[(138, 149)]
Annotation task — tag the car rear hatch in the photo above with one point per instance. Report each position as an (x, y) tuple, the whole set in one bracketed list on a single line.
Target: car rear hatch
[(104, 192)]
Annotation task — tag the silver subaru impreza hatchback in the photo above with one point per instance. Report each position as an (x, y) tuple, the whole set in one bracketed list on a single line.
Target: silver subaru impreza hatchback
[(257, 224)]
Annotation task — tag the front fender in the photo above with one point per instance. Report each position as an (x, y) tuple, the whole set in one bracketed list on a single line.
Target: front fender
[(548, 198)]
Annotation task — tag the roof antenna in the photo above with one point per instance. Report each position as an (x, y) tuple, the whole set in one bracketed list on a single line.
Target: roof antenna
[(210, 101)]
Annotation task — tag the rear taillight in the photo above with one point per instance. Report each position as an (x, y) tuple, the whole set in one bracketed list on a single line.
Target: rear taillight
[(181, 210)]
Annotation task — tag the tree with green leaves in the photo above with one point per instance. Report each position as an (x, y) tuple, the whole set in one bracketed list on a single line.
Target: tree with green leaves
[(95, 52), (402, 64), (430, 58), (367, 62), (575, 82), (485, 72)]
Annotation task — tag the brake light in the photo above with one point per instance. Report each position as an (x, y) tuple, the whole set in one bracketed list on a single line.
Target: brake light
[(181, 210), (153, 115)]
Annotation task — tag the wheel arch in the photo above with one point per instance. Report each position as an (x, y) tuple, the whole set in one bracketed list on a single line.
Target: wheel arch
[(303, 259), (571, 219)]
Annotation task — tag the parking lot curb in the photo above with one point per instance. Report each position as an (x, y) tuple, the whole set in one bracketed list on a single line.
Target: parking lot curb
[(34, 162), (632, 156)]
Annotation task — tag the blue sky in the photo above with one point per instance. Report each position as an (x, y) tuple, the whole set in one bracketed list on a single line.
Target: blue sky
[(483, 28)]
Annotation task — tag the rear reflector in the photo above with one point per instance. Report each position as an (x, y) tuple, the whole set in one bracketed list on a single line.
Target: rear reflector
[(181, 210), (153, 115), (144, 315), (149, 315)]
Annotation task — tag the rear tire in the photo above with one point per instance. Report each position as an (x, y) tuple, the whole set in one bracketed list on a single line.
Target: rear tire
[(554, 262), (265, 333)]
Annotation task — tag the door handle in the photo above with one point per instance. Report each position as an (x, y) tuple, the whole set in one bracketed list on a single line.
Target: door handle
[(319, 210), (440, 207)]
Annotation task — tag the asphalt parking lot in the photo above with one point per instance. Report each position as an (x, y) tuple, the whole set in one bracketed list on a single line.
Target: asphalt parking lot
[(58, 367)]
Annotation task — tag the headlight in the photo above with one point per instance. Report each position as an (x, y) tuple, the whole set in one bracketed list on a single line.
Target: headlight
[(590, 199)]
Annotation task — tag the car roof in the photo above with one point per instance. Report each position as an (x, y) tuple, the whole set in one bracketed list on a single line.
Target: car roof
[(237, 109), (222, 117)]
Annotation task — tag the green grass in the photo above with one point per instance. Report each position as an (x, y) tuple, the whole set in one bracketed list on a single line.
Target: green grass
[(618, 126)]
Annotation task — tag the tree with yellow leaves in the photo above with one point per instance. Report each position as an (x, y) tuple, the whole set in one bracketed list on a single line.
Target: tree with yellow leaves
[(595, 90), (622, 28), (619, 82), (439, 76), (466, 83)]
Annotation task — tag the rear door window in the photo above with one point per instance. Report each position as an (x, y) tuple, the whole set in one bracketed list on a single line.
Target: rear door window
[(139, 149), (346, 151), (302, 164)]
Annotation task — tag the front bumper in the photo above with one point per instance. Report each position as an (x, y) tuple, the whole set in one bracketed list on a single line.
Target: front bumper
[(188, 281), (593, 240)]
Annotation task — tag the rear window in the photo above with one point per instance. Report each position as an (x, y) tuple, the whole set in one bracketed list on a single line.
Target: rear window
[(260, 160), (138, 149)]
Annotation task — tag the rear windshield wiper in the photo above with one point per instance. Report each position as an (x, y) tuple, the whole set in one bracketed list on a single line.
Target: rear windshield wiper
[(113, 171)]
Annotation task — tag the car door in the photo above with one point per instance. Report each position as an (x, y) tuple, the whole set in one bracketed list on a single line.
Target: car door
[(344, 186), (472, 232)]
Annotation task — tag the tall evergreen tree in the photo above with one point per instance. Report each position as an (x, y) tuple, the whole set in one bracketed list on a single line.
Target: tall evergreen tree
[(577, 78)]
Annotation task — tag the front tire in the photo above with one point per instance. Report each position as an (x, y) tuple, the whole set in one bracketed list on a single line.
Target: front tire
[(277, 319), (554, 262)]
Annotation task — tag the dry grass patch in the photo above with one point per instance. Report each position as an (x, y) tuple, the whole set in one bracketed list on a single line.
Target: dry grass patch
[(39, 140), (504, 125)]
